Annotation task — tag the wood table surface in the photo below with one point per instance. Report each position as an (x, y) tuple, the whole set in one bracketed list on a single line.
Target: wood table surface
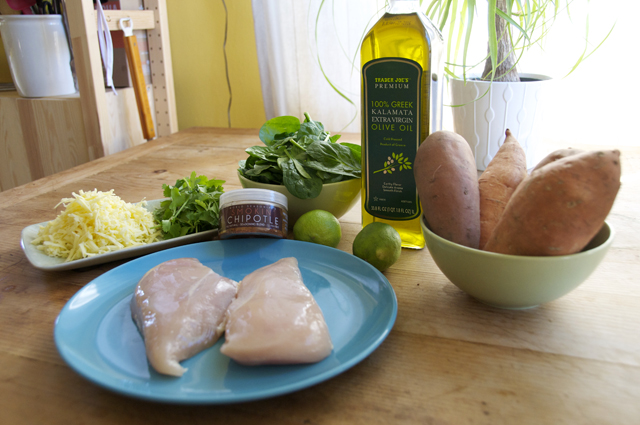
[(448, 359)]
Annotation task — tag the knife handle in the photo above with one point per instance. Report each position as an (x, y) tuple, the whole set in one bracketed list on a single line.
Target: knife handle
[(139, 86)]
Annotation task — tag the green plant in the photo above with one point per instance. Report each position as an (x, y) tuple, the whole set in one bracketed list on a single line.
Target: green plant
[(193, 206), (514, 26)]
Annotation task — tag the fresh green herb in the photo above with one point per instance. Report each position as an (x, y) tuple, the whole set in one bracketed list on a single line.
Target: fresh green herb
[(300, 156), (194, 206)]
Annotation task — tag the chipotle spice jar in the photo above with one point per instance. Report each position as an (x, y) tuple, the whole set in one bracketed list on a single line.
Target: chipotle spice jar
[(253, 213)]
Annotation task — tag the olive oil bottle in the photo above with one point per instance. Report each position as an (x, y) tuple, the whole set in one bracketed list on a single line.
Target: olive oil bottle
[(402, 78)]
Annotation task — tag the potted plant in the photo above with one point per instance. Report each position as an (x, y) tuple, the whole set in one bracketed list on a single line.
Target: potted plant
[(486, 104)]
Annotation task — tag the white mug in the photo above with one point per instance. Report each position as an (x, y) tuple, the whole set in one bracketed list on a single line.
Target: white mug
[(38, 54)]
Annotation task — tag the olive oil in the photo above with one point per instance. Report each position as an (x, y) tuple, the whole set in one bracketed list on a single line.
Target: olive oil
[(402, 75)]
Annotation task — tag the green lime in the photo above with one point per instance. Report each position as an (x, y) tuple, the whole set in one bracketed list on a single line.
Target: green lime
[(379, 244), (318, 226)]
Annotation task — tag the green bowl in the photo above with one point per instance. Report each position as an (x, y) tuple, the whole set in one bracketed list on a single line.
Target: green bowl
[(337, 198), (513, 281)]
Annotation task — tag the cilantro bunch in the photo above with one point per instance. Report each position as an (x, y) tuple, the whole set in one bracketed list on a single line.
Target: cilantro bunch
[(300, 156), (194, 206)]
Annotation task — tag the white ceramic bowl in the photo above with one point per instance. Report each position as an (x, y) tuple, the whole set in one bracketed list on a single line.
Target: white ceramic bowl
[(337, 198), (513, 281)]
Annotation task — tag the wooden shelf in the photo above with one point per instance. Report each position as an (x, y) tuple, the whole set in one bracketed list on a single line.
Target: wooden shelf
[(43, 136), (40, 137)]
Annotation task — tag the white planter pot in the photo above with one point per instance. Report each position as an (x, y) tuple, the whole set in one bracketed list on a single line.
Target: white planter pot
[(38, 54), (482, 120)]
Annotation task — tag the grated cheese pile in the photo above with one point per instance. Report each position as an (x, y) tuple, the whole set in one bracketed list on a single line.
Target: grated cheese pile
[(95, 223)]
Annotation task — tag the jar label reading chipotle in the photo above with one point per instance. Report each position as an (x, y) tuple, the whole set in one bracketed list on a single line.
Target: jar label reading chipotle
[(392, 108), (242, 218)]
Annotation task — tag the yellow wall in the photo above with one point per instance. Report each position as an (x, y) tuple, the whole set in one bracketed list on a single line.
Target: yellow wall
[(196, 28), (197, 36)]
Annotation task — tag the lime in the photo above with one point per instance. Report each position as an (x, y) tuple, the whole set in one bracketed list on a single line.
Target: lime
[(318, 226), (379, 244)]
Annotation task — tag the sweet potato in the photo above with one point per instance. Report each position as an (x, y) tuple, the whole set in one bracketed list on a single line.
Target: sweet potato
[(498, 182), (556, 155), (560, 207), (447, 182)]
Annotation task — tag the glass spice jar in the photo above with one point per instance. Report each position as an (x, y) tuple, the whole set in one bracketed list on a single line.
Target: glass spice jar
[(253, 213)]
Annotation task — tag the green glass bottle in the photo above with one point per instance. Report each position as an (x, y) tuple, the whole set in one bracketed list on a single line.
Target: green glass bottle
[(402, 83)]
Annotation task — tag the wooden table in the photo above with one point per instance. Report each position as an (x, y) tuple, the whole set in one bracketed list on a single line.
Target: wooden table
[(448, 359)]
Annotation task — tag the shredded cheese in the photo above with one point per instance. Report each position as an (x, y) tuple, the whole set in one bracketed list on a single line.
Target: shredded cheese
[(94, 223)]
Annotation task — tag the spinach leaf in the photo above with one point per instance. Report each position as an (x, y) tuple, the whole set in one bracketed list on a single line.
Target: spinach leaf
[(277, 127), (356, 150), (313, 129), (259, 169), (297, 185), (333, 158), (266, 153)]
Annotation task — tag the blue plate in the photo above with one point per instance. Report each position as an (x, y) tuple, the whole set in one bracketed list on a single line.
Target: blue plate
[(96, 336)]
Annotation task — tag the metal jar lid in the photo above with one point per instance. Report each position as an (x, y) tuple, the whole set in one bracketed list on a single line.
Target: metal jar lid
[(253, 195)]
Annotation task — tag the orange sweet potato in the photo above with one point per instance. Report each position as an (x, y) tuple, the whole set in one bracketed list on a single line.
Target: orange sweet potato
[(556, 155), (498, 182), (560, 207), (447, 182)]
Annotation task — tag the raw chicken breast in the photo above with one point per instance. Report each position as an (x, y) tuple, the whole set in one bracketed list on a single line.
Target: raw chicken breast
[(179, 307), (275, 319)]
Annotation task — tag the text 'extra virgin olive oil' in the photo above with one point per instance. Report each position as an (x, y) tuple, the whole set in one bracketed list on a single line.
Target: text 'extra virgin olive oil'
[(402, 80)]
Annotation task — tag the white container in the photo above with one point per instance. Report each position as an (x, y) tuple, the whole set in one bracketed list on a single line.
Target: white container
[(38, 54), (253, 213), (483, 118)]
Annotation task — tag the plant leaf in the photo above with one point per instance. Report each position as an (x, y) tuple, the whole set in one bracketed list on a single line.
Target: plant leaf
[(194, 206), (334, 158), (278, 126), (356, 150), (297, 185)]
